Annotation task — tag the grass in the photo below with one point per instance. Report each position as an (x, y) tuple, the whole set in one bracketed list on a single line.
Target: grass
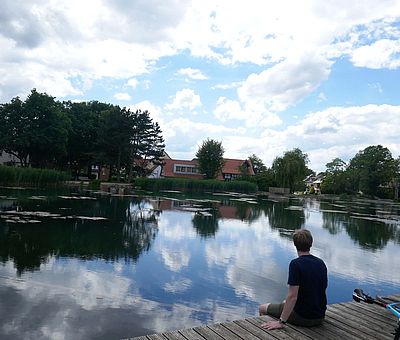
[(15, 176), (195, 186)]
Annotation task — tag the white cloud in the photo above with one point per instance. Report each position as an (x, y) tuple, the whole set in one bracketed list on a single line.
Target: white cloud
[(120, 39), (227, 109), (122, 96), (286, 83), (154, 110), (193, 133), (184, 99), (192, 73), (322, 97), (252, 113), (380, 54), (66, 48), (334, 132), (376, 86), (133, 83), (226, 86)]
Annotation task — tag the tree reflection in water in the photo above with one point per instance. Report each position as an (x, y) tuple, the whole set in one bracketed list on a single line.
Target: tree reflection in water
[(140, 228), (132, 225), (128, 232), (368, 234), (206, 226), (283, 219)]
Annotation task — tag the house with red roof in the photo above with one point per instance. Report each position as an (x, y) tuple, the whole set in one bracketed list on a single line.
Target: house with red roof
[(232, 169)]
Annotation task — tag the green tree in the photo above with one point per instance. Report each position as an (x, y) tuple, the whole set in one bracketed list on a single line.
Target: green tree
[(291, 169), (129, 140), (36, 130), (335, 177), (49, 129), (258, 165), (114, 137), (372, 167), (263, 179), (14, 130), (83, 135), (210, 156), (336, 165), (147, 143)]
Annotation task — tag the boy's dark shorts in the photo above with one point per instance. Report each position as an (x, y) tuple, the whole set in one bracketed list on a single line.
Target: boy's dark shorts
[(275, 310)]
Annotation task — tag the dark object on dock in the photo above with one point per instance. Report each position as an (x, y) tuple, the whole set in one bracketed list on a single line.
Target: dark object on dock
[(393, 307)]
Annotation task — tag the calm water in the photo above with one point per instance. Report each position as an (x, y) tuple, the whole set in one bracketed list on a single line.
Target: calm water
[(167, 262)]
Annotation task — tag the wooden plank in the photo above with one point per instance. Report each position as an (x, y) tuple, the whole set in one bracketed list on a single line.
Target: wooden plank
[(208, 333), (338, 332), (156, 337), (379, 317), (283, 333), (255, 330), (191, 334), (319, 332), (349, 330), (360, 317), (355, 323), (363, 316), (175, 335), (224, 332), (278, 333), (372, 309), (394, 298), (241, 332)]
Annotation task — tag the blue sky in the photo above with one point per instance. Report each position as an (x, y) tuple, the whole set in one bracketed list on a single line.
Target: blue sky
[(262, 77)]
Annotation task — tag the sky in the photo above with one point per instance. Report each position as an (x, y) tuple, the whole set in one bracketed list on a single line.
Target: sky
[(263, 77)]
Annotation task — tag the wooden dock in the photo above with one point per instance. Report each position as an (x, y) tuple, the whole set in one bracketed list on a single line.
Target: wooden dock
[(350, 320)]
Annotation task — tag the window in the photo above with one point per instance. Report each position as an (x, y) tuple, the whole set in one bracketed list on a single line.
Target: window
[(185, 169)]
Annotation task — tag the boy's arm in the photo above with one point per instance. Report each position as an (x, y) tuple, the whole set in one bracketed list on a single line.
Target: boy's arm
[(287, 309)]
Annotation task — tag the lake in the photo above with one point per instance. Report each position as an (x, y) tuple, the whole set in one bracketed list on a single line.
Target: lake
[(91, 266)]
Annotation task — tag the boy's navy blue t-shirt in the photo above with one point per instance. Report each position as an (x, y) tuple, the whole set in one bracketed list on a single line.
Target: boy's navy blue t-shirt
[(310, 273)]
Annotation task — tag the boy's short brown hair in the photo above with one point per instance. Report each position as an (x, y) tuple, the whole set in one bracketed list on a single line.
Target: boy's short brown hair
[(302, 239)]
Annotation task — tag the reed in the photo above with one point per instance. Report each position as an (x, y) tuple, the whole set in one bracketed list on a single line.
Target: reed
[(195, 186), (15, 176)]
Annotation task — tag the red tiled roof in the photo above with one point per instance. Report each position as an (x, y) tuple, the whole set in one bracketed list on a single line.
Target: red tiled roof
[(232, 166), (168, 168)]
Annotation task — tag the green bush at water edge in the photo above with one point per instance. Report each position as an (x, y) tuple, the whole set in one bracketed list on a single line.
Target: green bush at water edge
[(14, 176), (203, 185)]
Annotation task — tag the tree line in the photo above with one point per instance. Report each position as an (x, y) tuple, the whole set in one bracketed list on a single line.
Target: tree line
[(45, 133), (372, 171)]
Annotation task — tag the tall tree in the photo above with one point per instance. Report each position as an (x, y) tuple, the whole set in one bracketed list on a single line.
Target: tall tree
[(83, 135), (210, 156), (14, 130), (37, 129), (147, 143), (114, 137), (335, 180), (129, 140), (258, 164), (291, 169), (371, 168)]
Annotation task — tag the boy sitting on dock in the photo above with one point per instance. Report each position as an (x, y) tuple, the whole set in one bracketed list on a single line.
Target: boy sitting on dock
[(305, 304)]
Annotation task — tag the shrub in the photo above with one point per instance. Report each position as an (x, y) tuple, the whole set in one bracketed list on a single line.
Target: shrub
[(191, 185), (14, 176), (94, 184)]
